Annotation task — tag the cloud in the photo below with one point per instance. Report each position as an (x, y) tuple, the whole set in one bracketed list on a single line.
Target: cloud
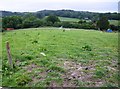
[(36, 5)]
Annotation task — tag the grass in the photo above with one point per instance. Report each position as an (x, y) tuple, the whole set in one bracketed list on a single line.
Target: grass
[(114, 22), (68, 19), (65, 19), (88, 54)]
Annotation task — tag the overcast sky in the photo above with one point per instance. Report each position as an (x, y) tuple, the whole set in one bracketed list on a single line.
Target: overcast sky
[(78, 5)]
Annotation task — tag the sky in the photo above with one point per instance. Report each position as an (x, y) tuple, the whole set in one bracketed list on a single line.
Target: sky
[(77, 5)]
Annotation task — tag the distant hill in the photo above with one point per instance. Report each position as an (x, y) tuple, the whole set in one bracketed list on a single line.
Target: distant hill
[(64, 13), (9, 13)]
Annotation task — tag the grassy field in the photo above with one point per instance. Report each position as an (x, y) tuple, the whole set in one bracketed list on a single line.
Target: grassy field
[(85, 58), (65, 19), (69, 19), (114, 22)]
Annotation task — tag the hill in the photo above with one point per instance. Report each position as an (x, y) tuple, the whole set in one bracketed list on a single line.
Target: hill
[(65, 13)]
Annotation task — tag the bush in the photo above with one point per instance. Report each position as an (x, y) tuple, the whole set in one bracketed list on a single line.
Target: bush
[(52, 18), (12, 22), (87, 48), (76, 25), (31, 21), (114, 28), (67, 24), (82, 21), (57, 24), (48, 23)]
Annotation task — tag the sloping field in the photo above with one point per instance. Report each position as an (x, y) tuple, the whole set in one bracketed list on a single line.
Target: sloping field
[(65, 19), (114, 22), (68, 19), (49, 57)]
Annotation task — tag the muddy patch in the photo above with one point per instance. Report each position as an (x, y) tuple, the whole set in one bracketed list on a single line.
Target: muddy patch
[(79, 74), (77, 71)]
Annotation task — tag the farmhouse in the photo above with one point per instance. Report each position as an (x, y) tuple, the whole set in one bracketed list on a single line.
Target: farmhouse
[(9, 28)]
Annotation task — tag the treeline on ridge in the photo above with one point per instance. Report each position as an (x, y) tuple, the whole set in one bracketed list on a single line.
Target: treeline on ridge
[(30, 21), (44, 18), (65, 13)]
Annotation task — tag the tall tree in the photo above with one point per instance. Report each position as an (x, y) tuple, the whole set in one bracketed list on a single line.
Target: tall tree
[(12, 22), (103, 23), (52, 19)]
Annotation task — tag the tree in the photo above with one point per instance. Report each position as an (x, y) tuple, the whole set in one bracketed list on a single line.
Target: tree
[(52, 19), (103, 23), (31, 21), (12, 22), (82, 21)]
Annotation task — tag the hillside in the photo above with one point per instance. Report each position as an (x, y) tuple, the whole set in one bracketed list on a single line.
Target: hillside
[(65, 19), (65, 13), (50, 57), (114, 22), (69, 19)]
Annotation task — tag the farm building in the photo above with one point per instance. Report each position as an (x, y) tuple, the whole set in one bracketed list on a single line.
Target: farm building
[(9, 28)]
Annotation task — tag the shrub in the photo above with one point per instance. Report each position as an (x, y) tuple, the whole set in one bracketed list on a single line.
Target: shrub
[(67, 24), (114, 28), (57, 24), (87, 48), (52, 19)]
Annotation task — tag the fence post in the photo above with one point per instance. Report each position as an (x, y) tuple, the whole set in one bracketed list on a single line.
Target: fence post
[(9, 55)]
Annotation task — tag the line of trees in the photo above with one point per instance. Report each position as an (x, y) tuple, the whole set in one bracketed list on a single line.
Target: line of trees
[(30, 21), (103, 24), (65, 13)]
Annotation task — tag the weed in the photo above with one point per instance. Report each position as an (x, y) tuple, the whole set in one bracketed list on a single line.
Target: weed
[(27, 56), (35, 41), (101, 72), (87, 48), (55, 68), (43, 49), (44, 62), (23, 63), (23, 80)]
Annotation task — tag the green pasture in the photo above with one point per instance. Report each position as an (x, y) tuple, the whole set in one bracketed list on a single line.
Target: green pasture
[(75, 57)]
